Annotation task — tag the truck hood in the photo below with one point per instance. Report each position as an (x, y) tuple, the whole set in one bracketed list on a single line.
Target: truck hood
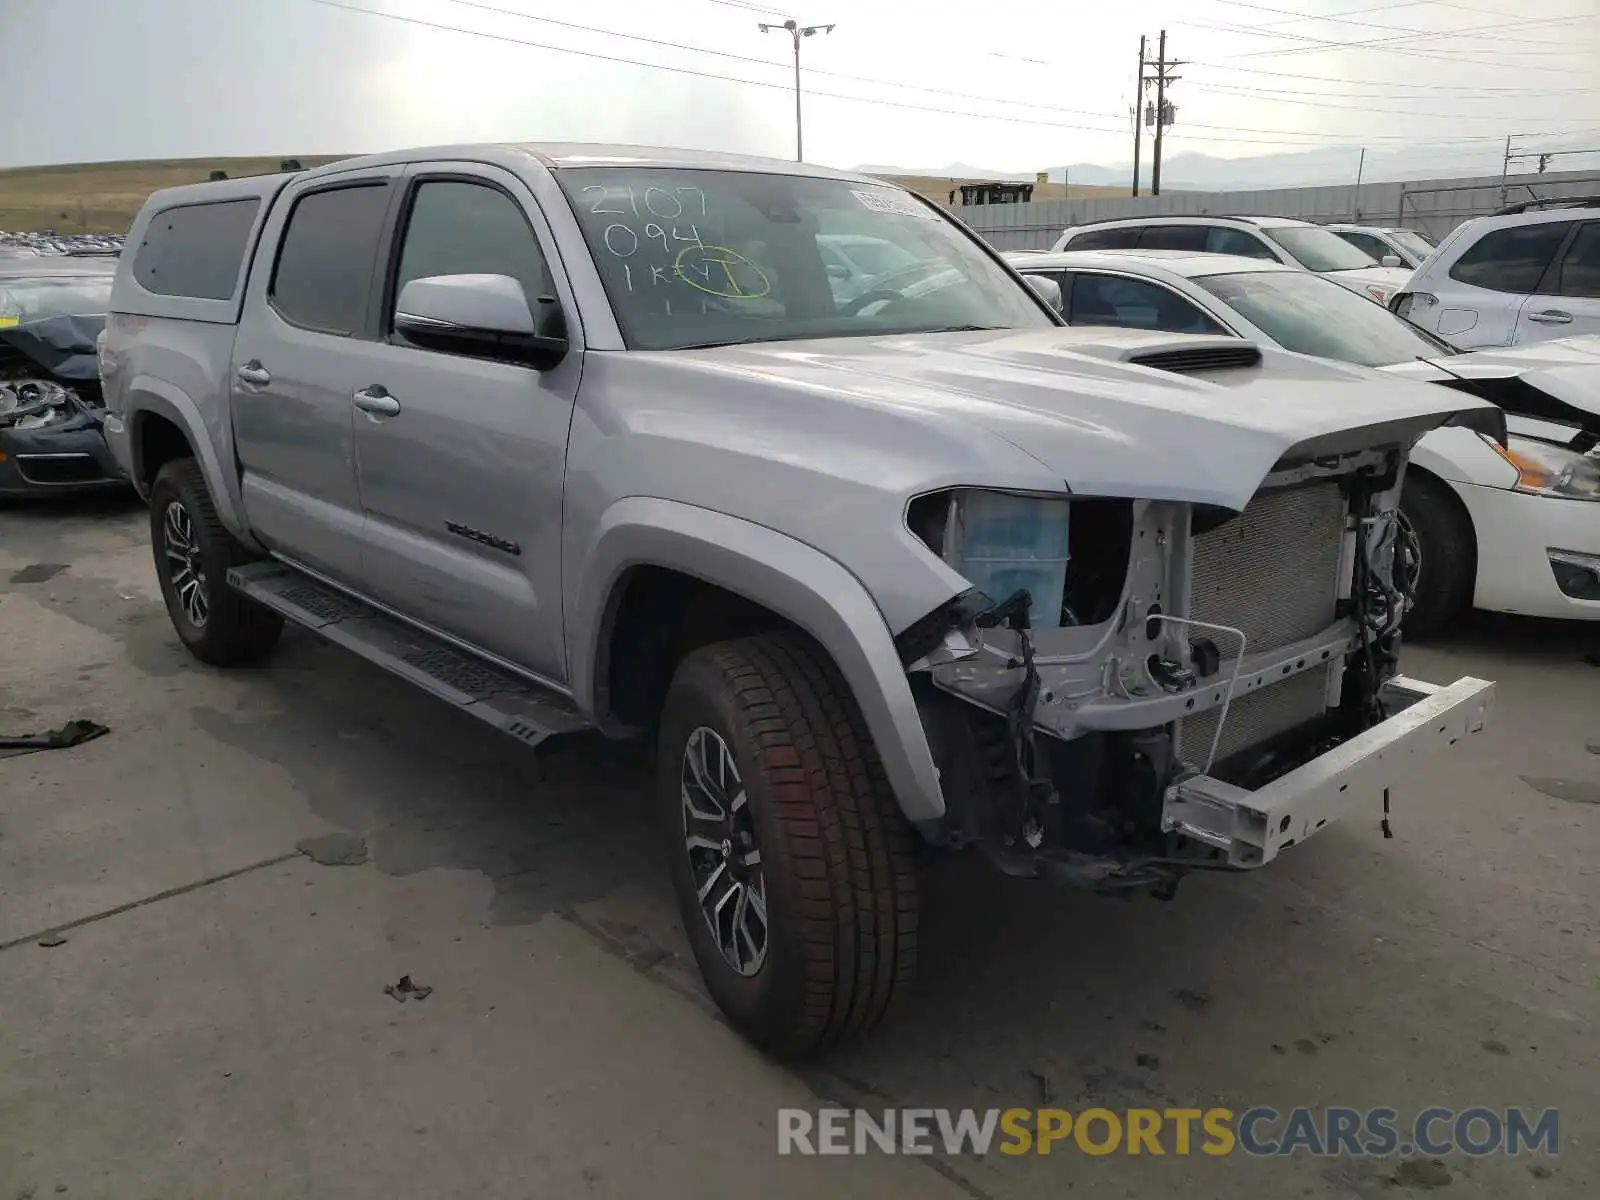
[(1547, 383), (1076, 401)]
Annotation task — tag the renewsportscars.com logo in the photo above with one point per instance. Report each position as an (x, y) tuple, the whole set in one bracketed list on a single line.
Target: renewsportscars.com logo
[(1259, 1131)]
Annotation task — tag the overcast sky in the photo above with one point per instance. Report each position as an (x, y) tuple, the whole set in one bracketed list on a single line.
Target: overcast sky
[(1025, 84)]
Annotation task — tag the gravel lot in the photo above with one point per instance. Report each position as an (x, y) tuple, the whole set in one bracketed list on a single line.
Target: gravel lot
[(215, 1022)]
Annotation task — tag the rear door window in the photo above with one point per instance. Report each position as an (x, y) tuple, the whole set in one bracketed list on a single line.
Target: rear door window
[(1124, 238), (1365, 242), (1173, 237), (196, 250), (1222, 240), (323, 276), (1134, 304), (1580, 268), (1511, 260)]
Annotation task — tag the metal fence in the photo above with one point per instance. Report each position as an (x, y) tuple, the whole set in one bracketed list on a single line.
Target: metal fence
[(1433, 207)]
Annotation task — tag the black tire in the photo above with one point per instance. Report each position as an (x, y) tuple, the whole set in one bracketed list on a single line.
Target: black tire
[(1448, 559), (233, 630), (835, 851)]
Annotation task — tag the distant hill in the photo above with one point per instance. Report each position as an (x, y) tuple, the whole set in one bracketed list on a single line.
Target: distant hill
[(105, 197)]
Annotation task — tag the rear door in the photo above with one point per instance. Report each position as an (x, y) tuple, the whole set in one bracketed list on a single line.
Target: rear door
[(296, 362), (462, 481), (1567, 303), (1479, 304)]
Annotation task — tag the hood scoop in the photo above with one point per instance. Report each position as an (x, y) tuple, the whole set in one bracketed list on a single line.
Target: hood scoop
[(1194, 360)]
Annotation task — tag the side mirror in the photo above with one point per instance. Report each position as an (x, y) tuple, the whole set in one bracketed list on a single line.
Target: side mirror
[(1390, 260), (482, 315), (1046, 289)]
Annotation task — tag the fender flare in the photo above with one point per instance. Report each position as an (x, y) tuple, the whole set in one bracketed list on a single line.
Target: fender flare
[(794, 580), (152, 396)]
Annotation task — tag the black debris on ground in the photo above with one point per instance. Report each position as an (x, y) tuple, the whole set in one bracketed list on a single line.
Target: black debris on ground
[(1148, 1061), (73, 733), (1046, 1092), (1192, 1000), (334, 849), (406, 990), (37, 572), (1494, 1047), (1422, 1173)]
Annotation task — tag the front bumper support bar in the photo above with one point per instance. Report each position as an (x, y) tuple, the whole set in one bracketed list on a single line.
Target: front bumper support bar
[(1254, 826)]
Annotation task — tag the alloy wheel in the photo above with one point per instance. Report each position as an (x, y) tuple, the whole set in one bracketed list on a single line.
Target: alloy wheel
[(182, 550), (719, 837)]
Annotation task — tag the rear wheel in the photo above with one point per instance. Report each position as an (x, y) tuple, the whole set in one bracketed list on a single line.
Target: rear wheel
[(791, 860), (1445, 553), (193, 552)]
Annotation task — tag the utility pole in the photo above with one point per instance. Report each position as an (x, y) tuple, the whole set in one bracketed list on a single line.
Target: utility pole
[(1505, 170), (1138, 115), (1163, 113), (1355, 198), (797, 31)]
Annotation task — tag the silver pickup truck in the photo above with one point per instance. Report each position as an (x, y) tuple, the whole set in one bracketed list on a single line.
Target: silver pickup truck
[(578, 436)]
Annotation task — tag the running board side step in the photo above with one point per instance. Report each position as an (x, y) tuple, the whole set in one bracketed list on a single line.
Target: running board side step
[(514, 705)]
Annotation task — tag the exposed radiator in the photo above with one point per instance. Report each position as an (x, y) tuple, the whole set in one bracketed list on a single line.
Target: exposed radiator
[(1273, 573)]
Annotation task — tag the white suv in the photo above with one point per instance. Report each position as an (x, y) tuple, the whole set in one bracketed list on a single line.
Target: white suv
[(1527, 274), (1276, 239)]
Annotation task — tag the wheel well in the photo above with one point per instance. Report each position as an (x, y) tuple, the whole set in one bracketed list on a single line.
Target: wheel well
[(157, 441), (656, 618), (1446, 497)]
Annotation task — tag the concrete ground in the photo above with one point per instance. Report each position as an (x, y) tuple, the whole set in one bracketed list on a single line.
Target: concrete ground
[(215, 1021)]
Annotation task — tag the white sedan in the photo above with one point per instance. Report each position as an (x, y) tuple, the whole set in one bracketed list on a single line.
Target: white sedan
[(1509, 528)]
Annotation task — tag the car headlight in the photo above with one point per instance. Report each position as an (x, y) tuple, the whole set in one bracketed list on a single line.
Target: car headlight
[(35, 404), (1001, 542), (1546, 470)]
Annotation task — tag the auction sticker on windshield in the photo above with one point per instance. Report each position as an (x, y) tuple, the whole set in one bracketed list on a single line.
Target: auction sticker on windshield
[(897, 203)]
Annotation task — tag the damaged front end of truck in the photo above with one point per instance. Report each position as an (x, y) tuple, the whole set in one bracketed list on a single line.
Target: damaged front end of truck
[(1140, 688)]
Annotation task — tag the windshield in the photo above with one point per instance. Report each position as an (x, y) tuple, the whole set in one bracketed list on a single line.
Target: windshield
[(26, 300), (1412, 242), (1316, 249), (1311, 315), (696, 258)]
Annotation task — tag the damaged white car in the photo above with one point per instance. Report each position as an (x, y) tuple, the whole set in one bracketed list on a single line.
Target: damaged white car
[(578, 436)]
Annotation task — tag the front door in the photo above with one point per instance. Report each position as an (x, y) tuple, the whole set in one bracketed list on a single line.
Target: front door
[(295, 364), (461, 471), (1568, 303)]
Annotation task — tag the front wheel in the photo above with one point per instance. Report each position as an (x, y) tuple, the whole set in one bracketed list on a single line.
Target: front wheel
[(790, 857), (193, 552), (1444, 556)]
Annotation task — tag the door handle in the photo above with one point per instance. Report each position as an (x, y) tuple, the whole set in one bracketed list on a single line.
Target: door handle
[(254, 374), (377, 401), (1551, 316)]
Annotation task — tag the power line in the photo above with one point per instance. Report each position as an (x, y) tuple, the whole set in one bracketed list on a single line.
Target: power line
[(1388, 45), (1278, 138), (690, 71), (1409, 113), (1340, 20), (1396, 83), (1285, 94), (764, 62)]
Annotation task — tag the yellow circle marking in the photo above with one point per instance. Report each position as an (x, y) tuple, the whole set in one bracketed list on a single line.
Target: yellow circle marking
[(724, 258)]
